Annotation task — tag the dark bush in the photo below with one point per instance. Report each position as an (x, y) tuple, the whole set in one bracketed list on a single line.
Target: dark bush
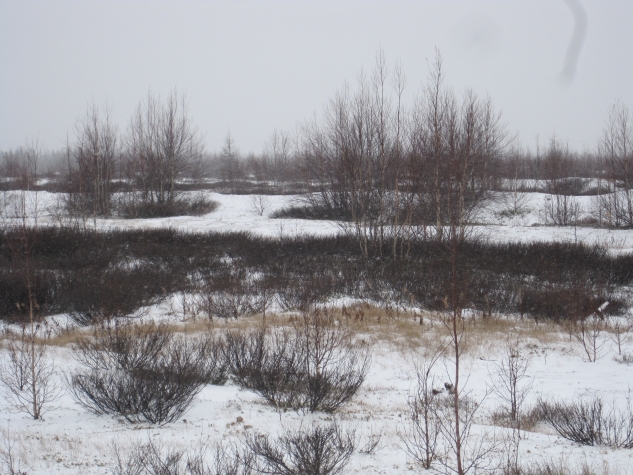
[(144, 373), (153, 458), (590, 422), (95, 276), (184, 206), (319, 450), (312, 212), (266, 363), (315, 366), (229, 293)]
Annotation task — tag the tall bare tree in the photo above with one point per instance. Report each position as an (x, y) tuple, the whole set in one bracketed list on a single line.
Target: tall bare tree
[(354, 156), (616, 157), (455, 153), (561, 207), (93, 159), (162, 145), (278, 157), (229, 162)]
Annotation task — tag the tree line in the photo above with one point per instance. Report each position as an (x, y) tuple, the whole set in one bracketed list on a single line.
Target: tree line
[(373, 160)]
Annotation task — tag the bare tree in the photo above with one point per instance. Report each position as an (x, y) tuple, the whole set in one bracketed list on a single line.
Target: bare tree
[(28, 375), (354, 157), (616, 159), (21, 164), (455, 153), (509, 383), (260, 204), (561, 207), (229, 163), (162, 145), (93, 159), (620, 332), (588, 332), (517, 201), (420, 438), (278, 155)]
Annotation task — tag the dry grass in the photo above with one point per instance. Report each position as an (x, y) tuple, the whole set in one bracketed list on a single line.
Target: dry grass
[(403, 330)]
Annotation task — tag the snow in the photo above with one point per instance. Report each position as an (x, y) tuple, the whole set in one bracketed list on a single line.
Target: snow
[(70, 440)]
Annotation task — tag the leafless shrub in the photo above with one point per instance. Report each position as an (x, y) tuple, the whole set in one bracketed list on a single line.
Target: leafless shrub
[(228, 295), (153, 458), (420, 437), (320, 450), (590, 422), (333, 365), (624, 358), (266, 363), (370, 443), (561, 210), (260, 204), (559, 467), (233, 303), (180, 206), (10, 460), (620, 332), (144, 374), (316, 365), (509, 383), (303, 293), (28, 375), (123, 345), (589, 333)]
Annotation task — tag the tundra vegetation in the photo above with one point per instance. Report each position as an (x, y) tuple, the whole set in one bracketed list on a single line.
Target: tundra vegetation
[(298, 322)]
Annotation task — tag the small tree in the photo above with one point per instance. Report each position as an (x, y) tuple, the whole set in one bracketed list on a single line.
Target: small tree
[(28, 375), (229, 163), (620, 332), (588, 333), (420, 439), (510, 387), (509, 383)]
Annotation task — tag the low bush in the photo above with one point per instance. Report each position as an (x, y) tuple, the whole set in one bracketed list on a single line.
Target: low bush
[(320, 450), (153, 458), (312, 212), (314, 366), (102, 275), (590, 422), (184, 206), (144, 373)]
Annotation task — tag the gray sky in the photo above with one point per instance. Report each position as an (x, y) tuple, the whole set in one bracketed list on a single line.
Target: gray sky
[(250, 66)]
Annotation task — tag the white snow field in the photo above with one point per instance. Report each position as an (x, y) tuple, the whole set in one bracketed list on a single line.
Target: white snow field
[(71, 440)]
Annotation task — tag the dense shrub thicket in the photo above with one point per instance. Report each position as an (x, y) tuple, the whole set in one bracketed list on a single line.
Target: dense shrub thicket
[(100, 275)]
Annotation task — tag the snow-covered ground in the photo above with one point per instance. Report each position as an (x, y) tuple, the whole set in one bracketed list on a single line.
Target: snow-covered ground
[(70, 440), (238, 213)]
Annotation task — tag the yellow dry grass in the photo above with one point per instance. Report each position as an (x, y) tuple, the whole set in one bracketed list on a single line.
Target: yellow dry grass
[(405, 331)]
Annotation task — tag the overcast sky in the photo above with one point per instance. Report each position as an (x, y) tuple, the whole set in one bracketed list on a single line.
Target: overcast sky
[(252, 66)]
